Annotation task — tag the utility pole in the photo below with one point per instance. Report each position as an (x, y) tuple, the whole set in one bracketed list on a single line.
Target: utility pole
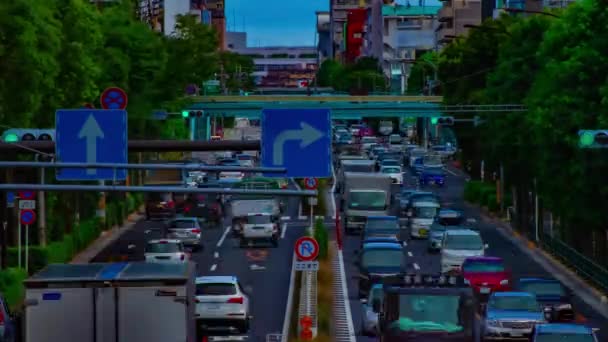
[(223, 79)]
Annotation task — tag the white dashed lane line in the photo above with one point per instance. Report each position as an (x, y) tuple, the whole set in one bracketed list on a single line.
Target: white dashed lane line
[(410, 254), (213, 267), (283, 230), (219, 243), (416, 266), (216, 255)]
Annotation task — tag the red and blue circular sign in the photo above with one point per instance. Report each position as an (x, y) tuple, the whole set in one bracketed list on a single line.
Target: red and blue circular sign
[(114, 98), (307, 248), (311, 183), (27, 195), (27, 216)]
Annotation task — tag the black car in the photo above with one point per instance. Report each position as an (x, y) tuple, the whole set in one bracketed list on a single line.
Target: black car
[(428, 309), (552, 295), (204, 206), (376, 261)]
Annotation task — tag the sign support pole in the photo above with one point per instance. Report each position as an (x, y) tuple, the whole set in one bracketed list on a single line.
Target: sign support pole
[(27, 239), (312, 217), (19, 242)]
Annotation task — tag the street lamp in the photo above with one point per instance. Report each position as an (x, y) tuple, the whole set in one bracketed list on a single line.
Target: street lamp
[(518, 10)]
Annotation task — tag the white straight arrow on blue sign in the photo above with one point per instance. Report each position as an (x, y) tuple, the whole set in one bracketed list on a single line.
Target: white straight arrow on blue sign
[(90, 131)]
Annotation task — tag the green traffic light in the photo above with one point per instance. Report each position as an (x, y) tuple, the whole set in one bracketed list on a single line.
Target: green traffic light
[(587, 139), (185, 113), (12, 137), (434, 120)]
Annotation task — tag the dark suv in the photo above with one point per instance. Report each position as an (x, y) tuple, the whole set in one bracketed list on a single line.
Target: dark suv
[(160, 206)]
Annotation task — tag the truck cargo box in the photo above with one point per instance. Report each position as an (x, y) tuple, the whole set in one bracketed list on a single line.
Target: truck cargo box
[(116, 302)]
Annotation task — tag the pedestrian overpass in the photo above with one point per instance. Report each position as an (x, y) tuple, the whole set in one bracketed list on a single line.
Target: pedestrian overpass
[(341, 106)]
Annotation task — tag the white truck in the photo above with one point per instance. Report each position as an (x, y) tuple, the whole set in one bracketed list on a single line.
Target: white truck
[(365, 194), (353, 165), (243, 205), (111, 302)]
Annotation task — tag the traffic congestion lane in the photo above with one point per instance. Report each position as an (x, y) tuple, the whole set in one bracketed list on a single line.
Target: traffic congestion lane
[(420, 260)]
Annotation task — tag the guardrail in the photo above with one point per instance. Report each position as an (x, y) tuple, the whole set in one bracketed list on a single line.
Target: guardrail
[(308, 301), (582, 265)]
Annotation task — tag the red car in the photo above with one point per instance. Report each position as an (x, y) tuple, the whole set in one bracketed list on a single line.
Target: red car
[(486, 275)]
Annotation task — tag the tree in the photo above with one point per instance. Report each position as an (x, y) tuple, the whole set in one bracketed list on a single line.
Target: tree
[(239, 69), (425, 66), (329, 72)]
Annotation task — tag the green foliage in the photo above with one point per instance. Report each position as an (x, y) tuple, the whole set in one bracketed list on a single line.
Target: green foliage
[(322, 237), (424, 67), (11, 286), (558, 68), (239, 69), (364, 75)]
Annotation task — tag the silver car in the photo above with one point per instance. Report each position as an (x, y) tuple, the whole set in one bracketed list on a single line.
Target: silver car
[(187, 230), (511, 315), (370, 307), (165, 251), (222, 304)]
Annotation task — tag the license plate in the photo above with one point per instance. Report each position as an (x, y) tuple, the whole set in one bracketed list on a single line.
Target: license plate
[(423, 232), (201, 205), (484, 290), (213, 307), (516, 334), (431, 181)]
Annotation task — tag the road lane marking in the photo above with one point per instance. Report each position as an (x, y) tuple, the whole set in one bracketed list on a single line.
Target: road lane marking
[(213, 267), (283, 230), (333, 191), (404, 244), (301, 217), (216, 255), (226, 231), (416, 266), (285, 218), (451, 172), (410, 254)]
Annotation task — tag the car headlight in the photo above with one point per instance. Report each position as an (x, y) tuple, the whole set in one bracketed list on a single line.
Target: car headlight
[(492, 323), (504, 282), (564, 307)]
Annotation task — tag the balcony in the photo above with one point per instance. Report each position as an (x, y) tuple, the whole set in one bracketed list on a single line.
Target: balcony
[(342, 5)]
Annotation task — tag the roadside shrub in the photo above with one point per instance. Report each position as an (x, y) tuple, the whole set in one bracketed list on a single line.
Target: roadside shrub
[(11, 285), (472, 191), (484, 194), (491, 203), (322, 236)]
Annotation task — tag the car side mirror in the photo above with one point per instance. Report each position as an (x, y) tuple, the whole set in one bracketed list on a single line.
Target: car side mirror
[(595, 330)]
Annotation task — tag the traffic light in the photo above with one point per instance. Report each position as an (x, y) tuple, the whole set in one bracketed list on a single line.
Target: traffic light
[(593, 138), (28, 134), (186, 114), (445, 121), (434, 121)]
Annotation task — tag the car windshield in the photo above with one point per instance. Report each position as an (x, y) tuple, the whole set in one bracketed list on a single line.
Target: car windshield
[(463, 242), (518, 303), (382, 224), (432, 160), (215, 289), (425, 212), (435, 171), (543, 288), (391, 170), (163, 247), (259, 219), (382, 258), (182, 224), (245, 157), (450, 220), (367, 200), (429, 313), (479, 266), (562, 337), (358, 168), (390, 162)]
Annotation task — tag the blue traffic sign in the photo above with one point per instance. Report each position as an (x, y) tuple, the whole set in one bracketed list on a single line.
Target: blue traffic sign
[(91, 136), (297, 139), (10, 199)]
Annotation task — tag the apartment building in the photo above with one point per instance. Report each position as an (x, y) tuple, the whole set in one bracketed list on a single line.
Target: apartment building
[(323, 35), (283, 67), (455, 16), (161, 15), (339, 10)]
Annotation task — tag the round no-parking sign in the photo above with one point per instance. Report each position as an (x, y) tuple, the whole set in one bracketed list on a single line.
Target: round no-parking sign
[(27, 217), (307, 248), (311, 183)]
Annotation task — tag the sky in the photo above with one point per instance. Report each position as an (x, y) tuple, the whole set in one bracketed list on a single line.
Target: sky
[(280, 22)]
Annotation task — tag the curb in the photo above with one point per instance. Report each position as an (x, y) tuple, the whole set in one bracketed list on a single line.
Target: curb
[(106, 238), (593, 297)]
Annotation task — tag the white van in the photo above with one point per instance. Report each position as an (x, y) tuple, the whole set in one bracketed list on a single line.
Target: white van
[(422, 217), (457, 245)]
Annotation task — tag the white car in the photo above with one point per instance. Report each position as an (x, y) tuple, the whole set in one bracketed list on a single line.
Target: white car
[(394, 172), (222, 303), (368, 142), (232, 175), (165, 251), (457, 245), (260, 227), (245, 160)]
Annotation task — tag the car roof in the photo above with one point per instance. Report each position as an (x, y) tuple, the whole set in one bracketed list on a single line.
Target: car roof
[(164, 241), (216, 279), (382, 245), (512, 294), (461, 232), (380, 239), (563, 328), (381, 218)]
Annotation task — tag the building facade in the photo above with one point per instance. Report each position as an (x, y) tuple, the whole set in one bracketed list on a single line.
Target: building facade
[(236, 41), (355, 29), (283, 67), (218, 20), (323, 35), (339, 10), (455, 16), (161, 15)]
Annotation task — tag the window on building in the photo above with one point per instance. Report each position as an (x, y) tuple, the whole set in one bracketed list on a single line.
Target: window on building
[(259, 67)]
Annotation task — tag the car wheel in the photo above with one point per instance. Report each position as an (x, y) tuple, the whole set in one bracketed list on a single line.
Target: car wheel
[(243, 243), (244, 328), (275, 242)]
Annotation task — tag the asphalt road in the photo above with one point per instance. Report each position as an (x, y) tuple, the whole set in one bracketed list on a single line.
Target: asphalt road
[(419, 260), (265, 269)]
